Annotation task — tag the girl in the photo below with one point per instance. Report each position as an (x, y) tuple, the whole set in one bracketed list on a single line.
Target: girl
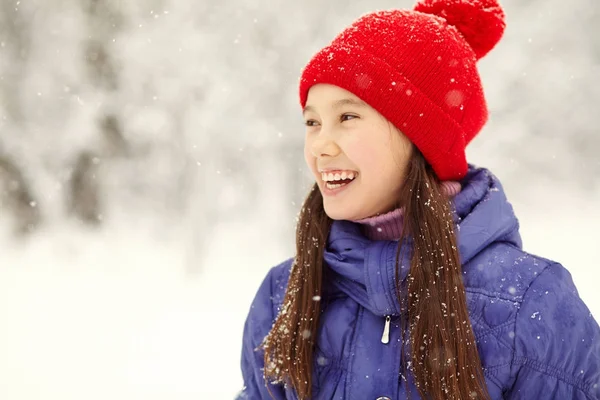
[(409, 279)]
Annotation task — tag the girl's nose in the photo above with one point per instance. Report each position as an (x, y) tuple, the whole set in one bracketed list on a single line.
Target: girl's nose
[(324, 145)]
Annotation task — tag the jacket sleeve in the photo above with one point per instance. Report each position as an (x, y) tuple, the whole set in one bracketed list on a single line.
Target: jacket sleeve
[(557, 342), (257, 326)]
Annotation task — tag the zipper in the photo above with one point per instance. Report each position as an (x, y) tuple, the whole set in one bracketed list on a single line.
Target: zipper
[(385, 338)]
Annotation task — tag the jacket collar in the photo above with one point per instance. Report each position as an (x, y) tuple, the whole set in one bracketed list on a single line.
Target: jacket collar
[(365, 269)]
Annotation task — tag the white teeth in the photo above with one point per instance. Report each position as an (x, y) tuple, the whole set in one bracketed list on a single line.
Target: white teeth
[(331, 177)]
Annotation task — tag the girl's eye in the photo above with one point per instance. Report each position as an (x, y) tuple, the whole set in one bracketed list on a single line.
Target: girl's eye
[(347, 117), (311, 122)]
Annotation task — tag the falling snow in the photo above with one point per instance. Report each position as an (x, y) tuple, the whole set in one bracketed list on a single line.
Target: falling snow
[(215, 91)]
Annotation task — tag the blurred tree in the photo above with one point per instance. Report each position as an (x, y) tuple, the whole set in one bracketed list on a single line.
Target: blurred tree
[(16, 198)]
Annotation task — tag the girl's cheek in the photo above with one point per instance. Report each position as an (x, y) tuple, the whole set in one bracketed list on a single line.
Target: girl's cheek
[(361, 155)]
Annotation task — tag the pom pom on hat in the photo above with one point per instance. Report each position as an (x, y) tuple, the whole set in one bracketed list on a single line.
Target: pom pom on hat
[(481, 22)]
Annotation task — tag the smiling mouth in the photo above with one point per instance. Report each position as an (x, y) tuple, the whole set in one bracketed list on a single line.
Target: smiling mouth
[(335, 181)]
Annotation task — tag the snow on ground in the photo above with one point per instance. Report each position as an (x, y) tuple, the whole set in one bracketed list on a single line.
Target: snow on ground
[(111, 315)]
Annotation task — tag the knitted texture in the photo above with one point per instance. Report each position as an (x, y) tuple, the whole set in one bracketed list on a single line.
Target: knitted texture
[(389, 226), (418, 71)]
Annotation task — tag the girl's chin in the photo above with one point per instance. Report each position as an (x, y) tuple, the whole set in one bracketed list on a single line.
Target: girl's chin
[(336, 213)]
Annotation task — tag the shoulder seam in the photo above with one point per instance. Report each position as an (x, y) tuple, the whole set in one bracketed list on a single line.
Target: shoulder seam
[(515, 298), (493, 295), (547, 261), (536, 365)]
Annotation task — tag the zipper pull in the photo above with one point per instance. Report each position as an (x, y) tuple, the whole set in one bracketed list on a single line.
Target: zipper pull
[(385, 338)]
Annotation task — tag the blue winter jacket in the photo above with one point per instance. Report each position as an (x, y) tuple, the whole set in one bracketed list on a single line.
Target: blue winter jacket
[(535, 336)]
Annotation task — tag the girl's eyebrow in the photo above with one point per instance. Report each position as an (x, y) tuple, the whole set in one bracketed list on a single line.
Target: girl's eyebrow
[(348, 102), (338, 104)]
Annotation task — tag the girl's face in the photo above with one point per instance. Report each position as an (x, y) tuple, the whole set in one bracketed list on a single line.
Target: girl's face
[(355, 148)]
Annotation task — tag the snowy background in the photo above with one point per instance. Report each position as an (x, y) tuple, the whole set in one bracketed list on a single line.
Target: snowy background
[(151, 169)]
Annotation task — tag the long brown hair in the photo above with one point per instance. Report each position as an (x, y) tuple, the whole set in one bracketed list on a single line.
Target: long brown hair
[(444, 359)]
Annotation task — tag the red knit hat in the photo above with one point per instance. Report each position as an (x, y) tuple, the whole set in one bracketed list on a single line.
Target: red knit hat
[(418, 69)]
